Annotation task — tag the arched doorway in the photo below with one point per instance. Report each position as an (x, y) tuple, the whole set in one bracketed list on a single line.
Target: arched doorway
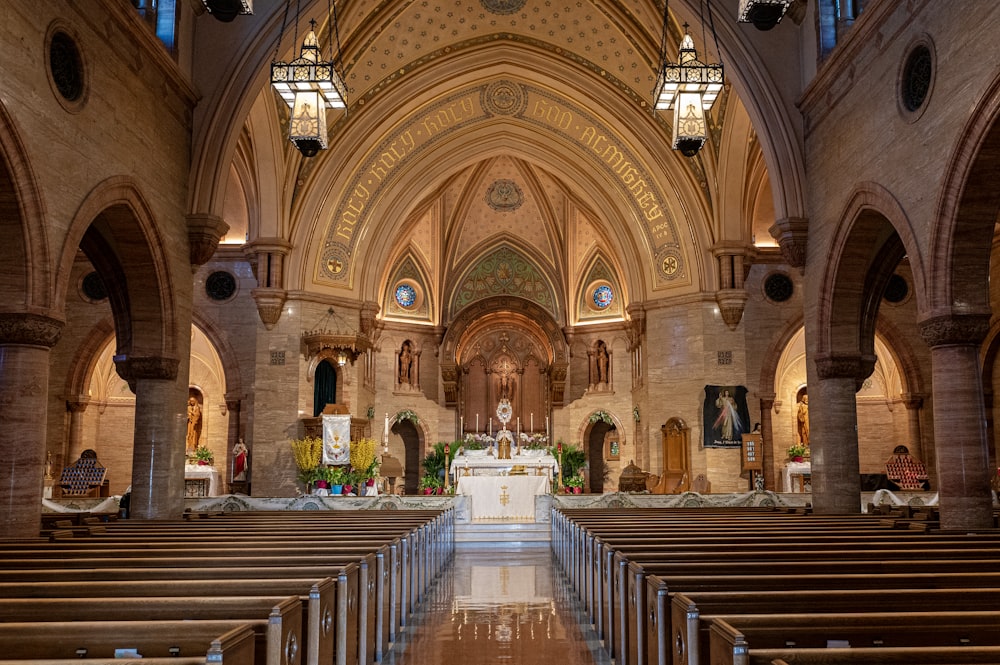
[(597, 440), (324, 386), (412, 457)]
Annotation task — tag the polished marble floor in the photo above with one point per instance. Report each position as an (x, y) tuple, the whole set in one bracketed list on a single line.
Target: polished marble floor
[(498, 607)]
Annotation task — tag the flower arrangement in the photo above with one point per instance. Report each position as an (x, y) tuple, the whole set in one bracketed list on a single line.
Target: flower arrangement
[(430, 484), (407, 414), (332, 475), (602, 416), (477, 441), (534, 441), (797, 451), (364, 458), (202, 455), (307, 452), (574, 484)]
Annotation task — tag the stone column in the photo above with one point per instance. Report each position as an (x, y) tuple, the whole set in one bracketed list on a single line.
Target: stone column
[(913, 403), (76, 409), (158, 450), (767, 440), (960, 420), (833, 425), (25, 341)]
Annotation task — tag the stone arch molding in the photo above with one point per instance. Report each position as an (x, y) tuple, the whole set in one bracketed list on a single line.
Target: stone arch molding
[(863, 255), (528, 106)]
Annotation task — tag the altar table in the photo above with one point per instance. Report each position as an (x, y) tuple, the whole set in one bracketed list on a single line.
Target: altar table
[(509, 498), (201, 480), (795, 474), (481, 464)]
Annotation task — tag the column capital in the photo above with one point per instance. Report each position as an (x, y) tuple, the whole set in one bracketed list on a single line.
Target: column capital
[(78, 404), (146, 367), (955, 329), (912, 400), (845, 366), (27, 329), (792, 234)]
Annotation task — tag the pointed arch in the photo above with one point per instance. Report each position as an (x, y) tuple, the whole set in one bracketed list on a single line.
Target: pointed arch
[(504, 270), (599, 272)]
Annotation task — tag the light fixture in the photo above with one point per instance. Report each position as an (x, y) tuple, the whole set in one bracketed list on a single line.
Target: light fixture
[(764, 14), (310, 85), (227, 10), (689, 87), (334, 337)]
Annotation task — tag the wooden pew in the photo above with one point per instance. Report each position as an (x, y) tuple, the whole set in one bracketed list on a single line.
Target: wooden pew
[(692, 613), (155, 639), (734, 640)]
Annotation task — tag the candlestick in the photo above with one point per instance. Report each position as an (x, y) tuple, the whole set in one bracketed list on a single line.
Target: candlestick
[(532, 422), (490, 432), (477, 423), (461, 427), (385, 434)]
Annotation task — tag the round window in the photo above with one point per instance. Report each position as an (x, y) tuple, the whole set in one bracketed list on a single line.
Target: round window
[(406, 296)]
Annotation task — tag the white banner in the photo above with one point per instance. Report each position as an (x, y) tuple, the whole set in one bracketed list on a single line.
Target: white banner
[(337, 439)]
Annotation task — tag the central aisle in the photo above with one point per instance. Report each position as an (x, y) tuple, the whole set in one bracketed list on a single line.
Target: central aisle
[(498, 606)]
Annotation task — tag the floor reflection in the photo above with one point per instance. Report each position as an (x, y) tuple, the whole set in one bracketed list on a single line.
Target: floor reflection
[(491, 607)]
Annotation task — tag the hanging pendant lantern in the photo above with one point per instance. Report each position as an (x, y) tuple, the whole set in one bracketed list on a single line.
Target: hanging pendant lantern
[(310, 86), (764, 14), (227, 10), (690, 88)]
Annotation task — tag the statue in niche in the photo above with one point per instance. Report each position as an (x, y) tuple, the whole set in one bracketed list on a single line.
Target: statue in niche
[(405, 364), (802, 417), (602, 362), (193, 424)]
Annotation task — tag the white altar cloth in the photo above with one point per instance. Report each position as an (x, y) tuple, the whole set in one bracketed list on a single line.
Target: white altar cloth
[(209, 473), (794, 469), (509, 498), (480, 464)]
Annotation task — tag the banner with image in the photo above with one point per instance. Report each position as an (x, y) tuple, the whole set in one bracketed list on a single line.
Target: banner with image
[(726, 416), (336, 439)]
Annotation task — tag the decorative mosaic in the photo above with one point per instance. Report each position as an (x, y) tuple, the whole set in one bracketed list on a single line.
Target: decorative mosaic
[(670, 264), (407, 294), (504, 196), (504, 98), (603, 296), (504, 272)]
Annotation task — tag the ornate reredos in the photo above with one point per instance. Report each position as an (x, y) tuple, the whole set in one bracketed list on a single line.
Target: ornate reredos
[(641, 201)]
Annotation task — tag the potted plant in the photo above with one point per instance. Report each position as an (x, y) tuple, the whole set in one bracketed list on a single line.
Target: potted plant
[(202, 456), (574, 485), (307, 452), (797, 452), (332, 477), (429, 484)]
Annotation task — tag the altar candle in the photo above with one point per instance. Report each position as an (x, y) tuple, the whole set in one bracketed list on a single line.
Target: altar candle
[(532, 422), (490, 431), (385, 433), (461, 427), (477, 423)]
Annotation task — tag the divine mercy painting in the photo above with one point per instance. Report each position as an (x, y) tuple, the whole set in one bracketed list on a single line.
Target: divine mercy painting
[(726, 416)]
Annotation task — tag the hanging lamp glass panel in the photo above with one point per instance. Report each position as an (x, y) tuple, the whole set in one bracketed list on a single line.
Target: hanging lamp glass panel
[(689, 87), (308, 72)]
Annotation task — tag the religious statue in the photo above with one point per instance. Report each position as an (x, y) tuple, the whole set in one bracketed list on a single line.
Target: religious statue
[(803, 420), (240, 461), (193, 424), (602, 362), (405, 362)]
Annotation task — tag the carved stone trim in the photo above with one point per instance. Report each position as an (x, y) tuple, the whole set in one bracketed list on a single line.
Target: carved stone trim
[(855, 367), (204, 233), (792, 234), (270, 304), (731, 304), (29, 329), (147, 367), (955, 329)]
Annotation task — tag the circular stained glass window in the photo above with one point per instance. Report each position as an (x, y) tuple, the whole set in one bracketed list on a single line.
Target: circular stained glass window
[(406, 296), (220, 285), (93, 287), (896, 290), (778, 287), (603, 296)]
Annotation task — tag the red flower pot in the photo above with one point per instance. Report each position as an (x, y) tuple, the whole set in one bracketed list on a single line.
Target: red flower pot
[(203, 462), (348, 488), (798, 458), (577, 490)]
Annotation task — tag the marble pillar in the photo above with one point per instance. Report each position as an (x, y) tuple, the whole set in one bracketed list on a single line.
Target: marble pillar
[(914, 403), (767, 440), (960, 444), (76, 408), (833, 441), (25, 341), (160, 425)]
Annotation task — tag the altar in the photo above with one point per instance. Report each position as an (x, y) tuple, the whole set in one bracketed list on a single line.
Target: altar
[(503, 498), (480, 463), (201, 481)]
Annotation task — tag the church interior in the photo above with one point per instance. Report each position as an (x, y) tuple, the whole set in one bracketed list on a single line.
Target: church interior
[(494, 202), (645, 332)]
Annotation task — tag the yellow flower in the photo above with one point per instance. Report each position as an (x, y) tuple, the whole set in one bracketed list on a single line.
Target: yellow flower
[(363, 454), (308, 452)]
